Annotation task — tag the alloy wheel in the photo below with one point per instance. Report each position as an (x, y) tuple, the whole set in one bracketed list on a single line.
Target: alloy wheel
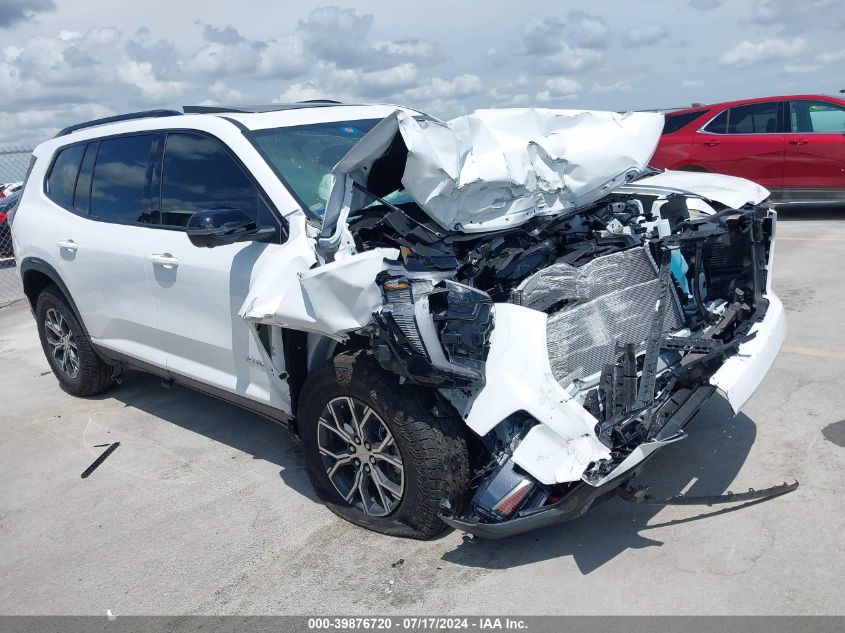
[(60, 338), (360, 456)]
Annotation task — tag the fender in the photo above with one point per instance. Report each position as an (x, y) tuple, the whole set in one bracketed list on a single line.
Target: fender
[(32, 288)]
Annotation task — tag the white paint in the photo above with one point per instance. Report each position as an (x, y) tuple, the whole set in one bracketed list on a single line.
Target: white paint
[(332, 299), (731, 191), (497, 168), (520, 378)]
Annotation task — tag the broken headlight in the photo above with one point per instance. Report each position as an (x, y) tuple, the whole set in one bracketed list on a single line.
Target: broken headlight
[(433, 333)]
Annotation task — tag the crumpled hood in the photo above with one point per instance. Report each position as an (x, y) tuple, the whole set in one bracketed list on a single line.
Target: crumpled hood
[(494, 168)]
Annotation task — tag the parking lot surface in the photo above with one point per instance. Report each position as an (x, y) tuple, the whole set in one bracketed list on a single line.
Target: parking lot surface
[(206, 509)]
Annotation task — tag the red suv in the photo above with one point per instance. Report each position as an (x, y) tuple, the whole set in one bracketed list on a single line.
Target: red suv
[(794, 146)]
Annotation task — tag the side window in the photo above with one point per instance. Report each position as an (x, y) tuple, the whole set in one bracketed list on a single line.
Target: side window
[(118, 188), (816, 117), (719, 125), (62, 179), (755, 118), (199, 173), (674, 122)]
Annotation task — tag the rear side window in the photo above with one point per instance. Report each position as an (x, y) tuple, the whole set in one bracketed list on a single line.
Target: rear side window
[(82, 195), (675, 122), (119, 188), (199, 173), (62, 179)]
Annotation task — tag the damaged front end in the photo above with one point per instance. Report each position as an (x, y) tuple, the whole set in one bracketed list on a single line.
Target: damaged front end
[(575, 312), (628, 347)]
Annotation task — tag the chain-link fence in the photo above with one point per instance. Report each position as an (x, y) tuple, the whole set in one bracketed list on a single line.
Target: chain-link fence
[(14, 162)]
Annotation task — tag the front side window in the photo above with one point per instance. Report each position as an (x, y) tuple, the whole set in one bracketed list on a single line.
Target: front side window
[(119, 188), (62, 179), (719, 125), (816, 117), (198, 173), (754, 118), (305, 155)]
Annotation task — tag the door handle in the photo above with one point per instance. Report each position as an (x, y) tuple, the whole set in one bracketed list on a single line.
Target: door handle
[(68, 245), (165, 260), (711, 143), (798, 141)]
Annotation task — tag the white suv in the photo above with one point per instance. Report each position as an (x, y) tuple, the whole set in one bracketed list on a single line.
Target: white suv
[(486, 323)]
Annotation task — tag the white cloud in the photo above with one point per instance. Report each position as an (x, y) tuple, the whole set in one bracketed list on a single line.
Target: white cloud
[(437, 88), (283, 57), (800, 69), (617, 86), (559, 88), (832, 56), (571, 60), (763, 51), (644, 35), (141, 75), (543, 36)]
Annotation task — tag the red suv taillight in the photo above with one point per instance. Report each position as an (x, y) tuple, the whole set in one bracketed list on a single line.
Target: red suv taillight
[(3, 216)]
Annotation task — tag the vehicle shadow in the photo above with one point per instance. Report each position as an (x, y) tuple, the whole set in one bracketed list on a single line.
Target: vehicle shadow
[(217, 420), (811, 213), (705, 463)]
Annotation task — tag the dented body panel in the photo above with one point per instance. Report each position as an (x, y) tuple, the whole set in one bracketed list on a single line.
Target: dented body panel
[(572, 307)]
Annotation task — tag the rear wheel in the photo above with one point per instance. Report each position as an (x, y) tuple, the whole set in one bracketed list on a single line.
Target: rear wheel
[(376, 453), (68, 350)]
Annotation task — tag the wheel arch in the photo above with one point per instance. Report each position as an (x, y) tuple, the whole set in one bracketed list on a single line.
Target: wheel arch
[(37, 274)]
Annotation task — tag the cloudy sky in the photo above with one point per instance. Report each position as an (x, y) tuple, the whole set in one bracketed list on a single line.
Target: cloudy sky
[(64, 61)]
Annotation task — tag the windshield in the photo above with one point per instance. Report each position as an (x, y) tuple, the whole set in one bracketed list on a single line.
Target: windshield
[(303, 156)]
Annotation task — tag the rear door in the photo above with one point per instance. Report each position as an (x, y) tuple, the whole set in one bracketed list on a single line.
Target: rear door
[(815, 147), (100, 238), (745, 141)]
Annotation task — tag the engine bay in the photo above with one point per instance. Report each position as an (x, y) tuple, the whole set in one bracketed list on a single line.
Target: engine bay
[(644, 297)]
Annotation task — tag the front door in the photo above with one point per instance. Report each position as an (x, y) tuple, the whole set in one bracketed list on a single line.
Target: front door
[(745, 141), (815, 147), (198, 291)]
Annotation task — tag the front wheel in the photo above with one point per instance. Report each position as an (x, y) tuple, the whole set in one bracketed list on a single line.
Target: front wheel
[(375, 451)]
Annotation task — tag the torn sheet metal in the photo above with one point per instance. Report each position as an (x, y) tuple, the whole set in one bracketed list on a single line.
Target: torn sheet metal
[(332, 299), (518, 368), (495, 168), (730, 191)]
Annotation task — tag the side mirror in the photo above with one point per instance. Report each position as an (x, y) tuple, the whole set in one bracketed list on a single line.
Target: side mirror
[(216, 227)]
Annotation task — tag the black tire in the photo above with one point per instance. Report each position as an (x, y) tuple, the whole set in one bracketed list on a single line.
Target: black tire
[(432, 447), (93, 375)]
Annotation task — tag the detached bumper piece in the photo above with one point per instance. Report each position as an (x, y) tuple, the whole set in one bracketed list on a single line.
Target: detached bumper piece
[(637, 495)]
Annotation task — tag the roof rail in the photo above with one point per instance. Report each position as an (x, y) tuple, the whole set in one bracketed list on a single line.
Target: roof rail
[(251, 109), (146, 114)]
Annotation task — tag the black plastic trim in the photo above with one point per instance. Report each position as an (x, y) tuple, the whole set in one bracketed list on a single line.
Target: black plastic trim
[(36, 264), (243, 402), (130, 116)]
